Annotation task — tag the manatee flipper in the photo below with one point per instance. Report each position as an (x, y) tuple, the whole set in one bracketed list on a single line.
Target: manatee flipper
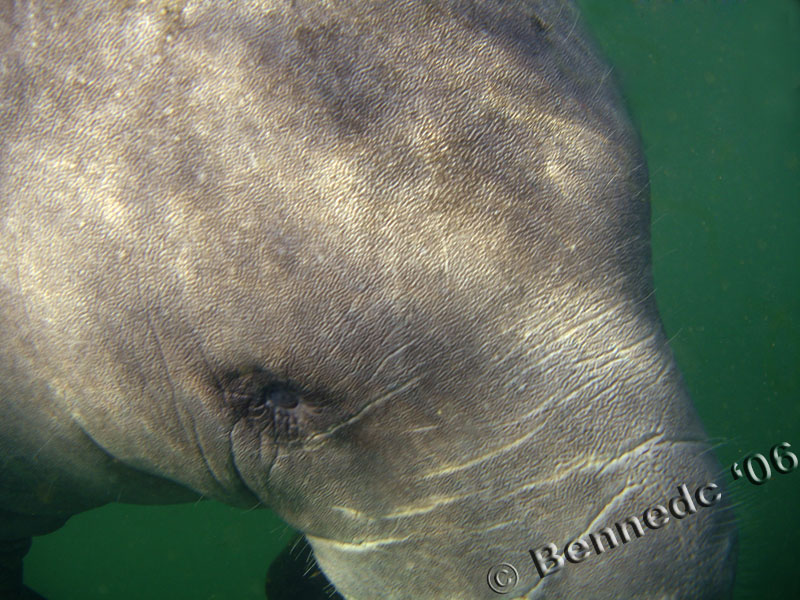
[(295, 575), (11, 554), (16, 535)]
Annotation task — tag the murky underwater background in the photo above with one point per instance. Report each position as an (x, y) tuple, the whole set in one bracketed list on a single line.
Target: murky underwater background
[(715, 89)]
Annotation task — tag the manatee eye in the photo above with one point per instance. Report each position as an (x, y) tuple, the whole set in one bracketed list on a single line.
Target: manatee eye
[(279, 396), (268, 403)]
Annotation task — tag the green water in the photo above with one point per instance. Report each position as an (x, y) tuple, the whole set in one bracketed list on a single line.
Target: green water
[(715, 90)]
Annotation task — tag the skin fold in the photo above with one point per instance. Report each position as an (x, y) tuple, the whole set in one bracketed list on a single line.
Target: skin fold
[(382, 267)]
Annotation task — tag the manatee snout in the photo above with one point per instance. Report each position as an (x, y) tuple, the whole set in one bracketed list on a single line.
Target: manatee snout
[(492, 475)]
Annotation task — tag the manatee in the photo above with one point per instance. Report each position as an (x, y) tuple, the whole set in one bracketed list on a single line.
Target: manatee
[(294, 575), (381, 267)]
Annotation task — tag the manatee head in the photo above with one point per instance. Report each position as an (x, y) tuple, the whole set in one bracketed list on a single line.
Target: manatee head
[(382, 267)]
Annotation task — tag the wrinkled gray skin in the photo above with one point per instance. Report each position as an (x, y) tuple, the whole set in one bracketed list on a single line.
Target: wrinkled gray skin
[(381, 266)]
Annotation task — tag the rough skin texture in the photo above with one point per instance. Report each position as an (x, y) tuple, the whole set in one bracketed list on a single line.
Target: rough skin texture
[(381, 266)]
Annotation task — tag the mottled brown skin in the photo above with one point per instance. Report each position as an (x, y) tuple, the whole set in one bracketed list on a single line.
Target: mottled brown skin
[(380, 266)]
